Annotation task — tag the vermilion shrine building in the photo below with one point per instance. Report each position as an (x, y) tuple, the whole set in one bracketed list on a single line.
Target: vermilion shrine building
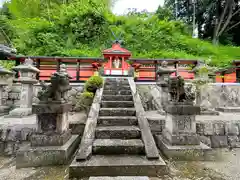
[(115, 62)]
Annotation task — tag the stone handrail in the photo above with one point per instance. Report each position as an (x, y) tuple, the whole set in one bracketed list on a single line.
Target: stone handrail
[(89, 132), (149, 143)]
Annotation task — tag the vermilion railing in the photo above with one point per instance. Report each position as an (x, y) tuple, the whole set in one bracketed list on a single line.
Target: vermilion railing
[(81, 69)]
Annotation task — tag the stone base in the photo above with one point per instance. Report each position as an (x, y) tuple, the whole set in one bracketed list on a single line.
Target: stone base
[(20, 112), (199, 152), (4, 110), (228, 109), (181, 138), (28, 156), (53, 139), (117, 165)]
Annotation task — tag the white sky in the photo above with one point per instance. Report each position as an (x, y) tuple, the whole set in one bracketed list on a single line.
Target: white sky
[(123, 5)]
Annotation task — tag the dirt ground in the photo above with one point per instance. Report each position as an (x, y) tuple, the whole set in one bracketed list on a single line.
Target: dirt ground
[(226, 168)]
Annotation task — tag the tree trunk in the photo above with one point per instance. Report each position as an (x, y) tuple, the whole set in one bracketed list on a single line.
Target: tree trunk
[(215, 40)]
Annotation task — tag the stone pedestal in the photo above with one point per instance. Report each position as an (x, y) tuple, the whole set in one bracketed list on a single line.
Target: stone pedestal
[(179, 136), (27, 79), (52, 143)]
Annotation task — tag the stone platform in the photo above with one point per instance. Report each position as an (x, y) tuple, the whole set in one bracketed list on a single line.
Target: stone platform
[(117, 165), (28, 156), (120, 178), (185, 152)]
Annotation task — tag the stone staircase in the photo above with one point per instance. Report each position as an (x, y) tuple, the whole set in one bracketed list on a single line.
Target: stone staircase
[(117, 131), (117, 147)]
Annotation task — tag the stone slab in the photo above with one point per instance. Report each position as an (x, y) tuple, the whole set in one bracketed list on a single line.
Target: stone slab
[(117, 98), (51, 108), (118, 146), (20, 112), (117, 104), (28, 156), (77, 128), (117, 121), (187, 152), (120, 178), (228, 109), (4, 109), (118, 165), (182, 109), (121, 92), (117, 132), (53, 139), (117, 112), (209, 113), (181, 138), (219, 141)]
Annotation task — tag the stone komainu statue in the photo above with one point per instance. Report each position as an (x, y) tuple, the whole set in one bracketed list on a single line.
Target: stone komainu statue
[(177, 91), (56, 90)]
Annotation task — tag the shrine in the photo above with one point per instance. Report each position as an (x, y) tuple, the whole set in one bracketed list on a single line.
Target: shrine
[(116, 57)]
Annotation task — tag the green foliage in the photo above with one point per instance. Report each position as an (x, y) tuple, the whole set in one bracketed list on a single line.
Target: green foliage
[(93, 83), (82, 28), (84, 101), (88, 95)]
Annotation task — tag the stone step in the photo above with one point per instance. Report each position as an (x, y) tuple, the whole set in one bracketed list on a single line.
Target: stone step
[(117, 112), (118, 146), (117, 121), (117, 104), (113, 92), (117, 132), (115, 82), (116, 88), (117, 98), (117, 165)]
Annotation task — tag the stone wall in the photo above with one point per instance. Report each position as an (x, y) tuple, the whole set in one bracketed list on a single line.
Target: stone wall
[(211, 95), (220, 95), (149, 101), (12, 137), (12, 93)]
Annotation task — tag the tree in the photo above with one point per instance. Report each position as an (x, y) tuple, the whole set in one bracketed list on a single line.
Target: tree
[(225, 11)]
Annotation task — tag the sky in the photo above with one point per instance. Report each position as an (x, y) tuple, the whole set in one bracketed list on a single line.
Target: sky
[(122, 6)]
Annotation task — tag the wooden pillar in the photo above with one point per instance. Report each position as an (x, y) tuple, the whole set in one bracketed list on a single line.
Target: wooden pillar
[(38, 64), (156, 67), (78, 71), (123, 67), (237, 73), (222, 74), (110, 65), (58, 64)]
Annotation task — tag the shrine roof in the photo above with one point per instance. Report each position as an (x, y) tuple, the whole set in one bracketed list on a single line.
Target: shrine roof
[(117, 49)]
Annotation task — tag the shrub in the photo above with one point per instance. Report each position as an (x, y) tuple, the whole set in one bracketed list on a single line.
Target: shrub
[(93, 83), (84, 101)]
